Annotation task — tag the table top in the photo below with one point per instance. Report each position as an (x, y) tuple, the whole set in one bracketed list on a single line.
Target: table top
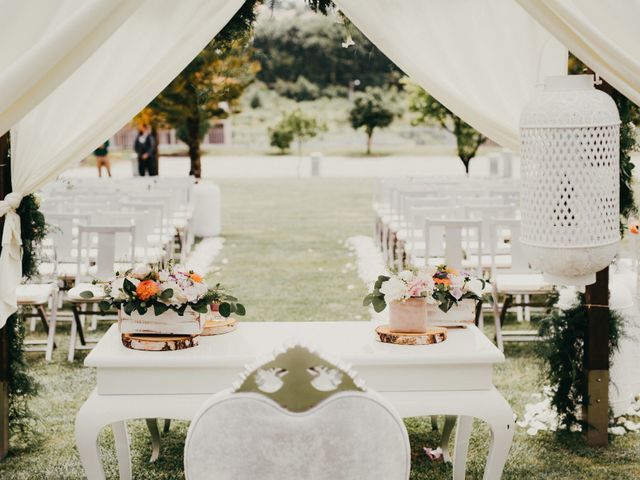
[(353, 342)]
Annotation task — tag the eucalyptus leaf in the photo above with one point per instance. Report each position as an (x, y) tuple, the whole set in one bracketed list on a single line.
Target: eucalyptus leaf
[(159, 308), (167, 294), (104, 305), (224, 309), (86, 294), (240, 310)]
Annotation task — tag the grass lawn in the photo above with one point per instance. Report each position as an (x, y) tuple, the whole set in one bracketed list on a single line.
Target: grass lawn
[(285, 258)]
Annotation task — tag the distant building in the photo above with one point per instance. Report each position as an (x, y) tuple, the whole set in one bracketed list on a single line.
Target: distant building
[(218, 134)]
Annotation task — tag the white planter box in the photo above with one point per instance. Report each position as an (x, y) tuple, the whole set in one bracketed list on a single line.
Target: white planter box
[(169, 323), (462, 314)]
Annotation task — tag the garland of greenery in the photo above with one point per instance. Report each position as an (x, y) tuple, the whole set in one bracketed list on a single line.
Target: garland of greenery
[(22, 386)]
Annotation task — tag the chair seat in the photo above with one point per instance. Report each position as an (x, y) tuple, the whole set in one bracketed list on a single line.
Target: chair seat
[(521, 283), (74, 294), (33, 293)]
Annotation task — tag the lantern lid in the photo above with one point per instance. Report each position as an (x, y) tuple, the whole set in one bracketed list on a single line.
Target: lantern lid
[(569, 101)]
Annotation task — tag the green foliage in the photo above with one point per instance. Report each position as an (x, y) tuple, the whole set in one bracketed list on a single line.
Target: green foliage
[(34, 230), (562, 353), (22, 385), (220, 73), (376, 298), (296, 126), (301, 90), (429, 110), (371, 110), (311, 46)]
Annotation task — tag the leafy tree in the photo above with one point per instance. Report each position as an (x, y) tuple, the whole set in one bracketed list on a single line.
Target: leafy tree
[(209, 87), (294, 126), (468, 139), (371, 110)]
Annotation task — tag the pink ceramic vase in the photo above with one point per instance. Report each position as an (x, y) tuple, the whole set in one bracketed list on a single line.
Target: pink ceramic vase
[(408, 316)]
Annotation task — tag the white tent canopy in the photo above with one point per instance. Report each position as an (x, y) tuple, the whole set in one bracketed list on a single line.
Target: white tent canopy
[(482, 59), (603, 34)]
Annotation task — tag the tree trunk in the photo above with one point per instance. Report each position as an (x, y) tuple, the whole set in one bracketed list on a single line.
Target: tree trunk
[(369, 138), (5, 188), (466, 162), (193, 133)]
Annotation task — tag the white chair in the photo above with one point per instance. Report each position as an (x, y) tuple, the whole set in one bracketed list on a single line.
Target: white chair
[(450, 242), (517, 283), (38, 296), (297, 417), (108, 260)]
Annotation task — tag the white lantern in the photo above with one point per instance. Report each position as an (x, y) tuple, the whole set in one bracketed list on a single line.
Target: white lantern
[(570, 135)]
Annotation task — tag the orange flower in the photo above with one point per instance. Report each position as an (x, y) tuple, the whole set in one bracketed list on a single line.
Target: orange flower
[(195, 277), (452, 271), (443, 281), (634, 229), (147, 289)]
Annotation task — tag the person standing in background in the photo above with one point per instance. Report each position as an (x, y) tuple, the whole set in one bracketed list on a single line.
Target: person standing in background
[(102, 158), (145, 149)]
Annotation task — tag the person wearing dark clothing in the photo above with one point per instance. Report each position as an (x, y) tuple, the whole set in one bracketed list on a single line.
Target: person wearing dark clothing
[(145, 147), (102, 158)]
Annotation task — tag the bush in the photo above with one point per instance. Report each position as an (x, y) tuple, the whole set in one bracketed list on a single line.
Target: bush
[(281, 137), (301, 90), (335, 91)]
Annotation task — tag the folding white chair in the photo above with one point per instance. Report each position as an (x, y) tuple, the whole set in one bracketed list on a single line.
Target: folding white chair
[(109, 259), (38, 296), (517, 282)]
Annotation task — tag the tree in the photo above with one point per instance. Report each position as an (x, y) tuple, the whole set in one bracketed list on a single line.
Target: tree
[(209, 87), (371, 110), (468, 139), (294, 126)]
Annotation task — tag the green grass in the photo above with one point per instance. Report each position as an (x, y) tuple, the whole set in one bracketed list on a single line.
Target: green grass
[(269, 226)]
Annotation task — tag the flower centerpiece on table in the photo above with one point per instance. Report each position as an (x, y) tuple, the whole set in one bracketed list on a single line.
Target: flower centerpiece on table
[(170, 300), (411, 294)]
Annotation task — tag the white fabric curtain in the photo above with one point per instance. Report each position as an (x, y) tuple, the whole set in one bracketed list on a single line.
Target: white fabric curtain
[(122, 76), (44, 42), (482, 59), (604, 34)]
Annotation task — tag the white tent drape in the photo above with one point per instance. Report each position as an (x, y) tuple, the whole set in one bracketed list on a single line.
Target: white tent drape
[(123, 75), (44, 42), (482, 59), (603, 34)]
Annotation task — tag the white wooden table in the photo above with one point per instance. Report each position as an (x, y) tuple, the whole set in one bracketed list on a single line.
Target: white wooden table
[(452, 378)]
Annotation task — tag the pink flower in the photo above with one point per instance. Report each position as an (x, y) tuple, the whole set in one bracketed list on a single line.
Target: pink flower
[(417, 287)]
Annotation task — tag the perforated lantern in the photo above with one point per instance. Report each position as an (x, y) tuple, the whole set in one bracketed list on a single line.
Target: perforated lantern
[(570, 180)]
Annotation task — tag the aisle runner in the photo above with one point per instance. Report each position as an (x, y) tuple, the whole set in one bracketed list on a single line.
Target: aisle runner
[(370, 265), (201, 257)]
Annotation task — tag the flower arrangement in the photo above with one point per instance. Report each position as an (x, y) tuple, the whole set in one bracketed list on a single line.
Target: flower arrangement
[(172, 288), (441, 285)]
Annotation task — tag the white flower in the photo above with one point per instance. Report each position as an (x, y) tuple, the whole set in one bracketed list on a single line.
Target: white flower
[(163, 275), (178, 297), (117, 289), (192, 293), (406, 275), (567, 298), (394, 289), (141, 271)]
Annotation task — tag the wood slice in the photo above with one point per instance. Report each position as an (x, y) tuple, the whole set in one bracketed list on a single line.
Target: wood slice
[(219, 326), (158, 343), (431, 336)]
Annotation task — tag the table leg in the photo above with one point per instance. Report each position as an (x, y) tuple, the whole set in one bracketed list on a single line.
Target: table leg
[(449, 424), (463, 435), (486, 405), (121, 440)]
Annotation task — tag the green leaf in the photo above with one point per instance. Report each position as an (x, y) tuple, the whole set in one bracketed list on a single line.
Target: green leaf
[(128, 308), (142, 310), (240, 310), (224, 309), (166, 294), (128, 286), (379, 304), (159, 308), (368, 299), (86, 294), (104, 305), (380, 281)]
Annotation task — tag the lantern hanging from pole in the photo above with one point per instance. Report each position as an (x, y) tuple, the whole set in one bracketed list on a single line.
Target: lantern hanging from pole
[(570, 136)]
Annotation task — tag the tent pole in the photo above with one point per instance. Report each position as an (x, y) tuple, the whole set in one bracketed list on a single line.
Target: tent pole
[(5, 188), (596, 361)]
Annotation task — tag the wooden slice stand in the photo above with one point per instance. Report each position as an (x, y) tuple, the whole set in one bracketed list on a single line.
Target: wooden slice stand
[(431, 336), (158, 343), (218, 326)]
